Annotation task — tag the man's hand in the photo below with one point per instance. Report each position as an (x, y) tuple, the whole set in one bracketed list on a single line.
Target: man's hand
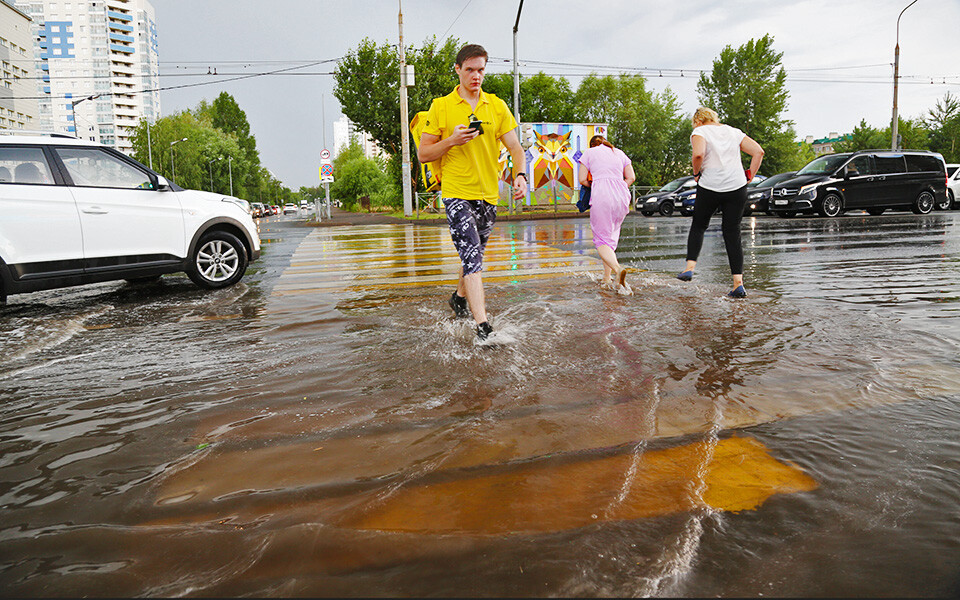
[(462, 134), (519, 187)]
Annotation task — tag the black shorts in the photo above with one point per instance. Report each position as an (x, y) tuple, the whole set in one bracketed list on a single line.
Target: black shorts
[(470, 224)]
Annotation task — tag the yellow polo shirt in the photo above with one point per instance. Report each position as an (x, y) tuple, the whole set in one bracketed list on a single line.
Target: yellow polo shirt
[(470, 171)]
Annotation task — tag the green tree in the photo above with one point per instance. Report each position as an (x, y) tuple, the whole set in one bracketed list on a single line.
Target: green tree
[(543, 99), (943, 123), (648, 127), (356, 176), (368, 87), (863, 137), (747, 88)]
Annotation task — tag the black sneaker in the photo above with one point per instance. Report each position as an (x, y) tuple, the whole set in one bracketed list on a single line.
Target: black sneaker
[(484, 330), (459, 306)]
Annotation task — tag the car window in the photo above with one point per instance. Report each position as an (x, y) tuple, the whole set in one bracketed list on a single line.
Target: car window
[(673, 185), (889, 163), (860, 166), (823, 165), (918, 163), (93, 167), (951, 170), (24, 165)]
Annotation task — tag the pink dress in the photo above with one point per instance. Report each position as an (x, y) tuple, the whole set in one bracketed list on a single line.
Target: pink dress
[(609, 195)]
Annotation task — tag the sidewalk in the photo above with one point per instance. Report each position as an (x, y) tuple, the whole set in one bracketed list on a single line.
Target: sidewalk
[(342, 217)]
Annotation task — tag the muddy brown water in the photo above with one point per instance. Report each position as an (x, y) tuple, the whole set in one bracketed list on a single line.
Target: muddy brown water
[(327, 428)]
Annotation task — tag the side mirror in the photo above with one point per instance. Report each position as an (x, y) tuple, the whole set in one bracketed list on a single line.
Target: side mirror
[(162, 184)]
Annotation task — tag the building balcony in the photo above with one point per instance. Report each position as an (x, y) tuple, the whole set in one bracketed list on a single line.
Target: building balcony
[(112, 14)]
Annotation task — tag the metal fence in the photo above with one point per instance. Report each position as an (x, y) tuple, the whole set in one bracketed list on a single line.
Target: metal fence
[(566, 201)]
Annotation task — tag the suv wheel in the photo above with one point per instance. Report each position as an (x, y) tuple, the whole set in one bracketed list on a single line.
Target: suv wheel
[(219, 261), (666, 208), (924, 203), (953, 201), (945, 203), (830, 206)]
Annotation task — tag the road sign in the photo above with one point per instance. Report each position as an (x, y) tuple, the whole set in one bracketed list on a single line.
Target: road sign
[(326, 173), (324, 155)]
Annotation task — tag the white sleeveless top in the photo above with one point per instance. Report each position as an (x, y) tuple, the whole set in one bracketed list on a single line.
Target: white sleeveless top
[(722, 169)]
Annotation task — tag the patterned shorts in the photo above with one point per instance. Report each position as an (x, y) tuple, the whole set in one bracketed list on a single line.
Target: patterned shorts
[(470, 224)]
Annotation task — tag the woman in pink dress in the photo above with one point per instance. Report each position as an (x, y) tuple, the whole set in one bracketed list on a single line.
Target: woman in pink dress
[(612, 174)]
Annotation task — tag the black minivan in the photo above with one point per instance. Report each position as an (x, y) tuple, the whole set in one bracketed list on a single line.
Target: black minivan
[(871, 180)]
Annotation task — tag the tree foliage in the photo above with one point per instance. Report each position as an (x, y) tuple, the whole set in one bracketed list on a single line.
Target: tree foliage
[(913, 133), (367, 84), (543, 99), (211, 156), (356, 176), (747, 88), (648, 127), (943, 123)]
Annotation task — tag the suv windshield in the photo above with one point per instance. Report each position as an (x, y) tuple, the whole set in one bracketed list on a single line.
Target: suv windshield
[(772, 181), (824, 165), (673, 185)]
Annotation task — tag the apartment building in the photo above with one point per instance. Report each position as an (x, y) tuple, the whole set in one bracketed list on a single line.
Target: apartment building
[(345, 130), (99, 67), (18, 102)]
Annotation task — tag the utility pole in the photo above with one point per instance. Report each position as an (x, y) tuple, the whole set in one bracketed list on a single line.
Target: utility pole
[(516, 92), (895, 125), (404, 125)]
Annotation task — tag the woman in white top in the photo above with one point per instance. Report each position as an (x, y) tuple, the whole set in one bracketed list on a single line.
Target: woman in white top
[(721, 183)]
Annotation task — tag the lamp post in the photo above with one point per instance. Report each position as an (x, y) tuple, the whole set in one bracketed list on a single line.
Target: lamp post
[(516, 89), (896, 76), (230, 168), (73, 110), (404, 125), (173, 169), (210, 166)]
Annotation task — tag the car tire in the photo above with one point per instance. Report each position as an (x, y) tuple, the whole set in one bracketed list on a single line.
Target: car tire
[(923, 205), (953, 201), (665, 209), (944, 204), (646, 213), (830, 206), (219, 261), (875, 211)]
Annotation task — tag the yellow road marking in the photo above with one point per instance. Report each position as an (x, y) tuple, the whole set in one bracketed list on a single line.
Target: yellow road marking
[(739, 475)]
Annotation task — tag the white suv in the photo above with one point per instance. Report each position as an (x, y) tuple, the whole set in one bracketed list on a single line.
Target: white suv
[(74, 212)]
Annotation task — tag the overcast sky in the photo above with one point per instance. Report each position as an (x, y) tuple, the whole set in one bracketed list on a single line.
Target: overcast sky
[(838, 55)]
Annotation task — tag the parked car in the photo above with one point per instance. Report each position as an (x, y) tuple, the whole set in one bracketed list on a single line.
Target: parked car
[(662, 200), (872, 180), (257, 209), (86, 213), (686, 199), (758, 198), (275, 209), (289, 209), (953, 184)]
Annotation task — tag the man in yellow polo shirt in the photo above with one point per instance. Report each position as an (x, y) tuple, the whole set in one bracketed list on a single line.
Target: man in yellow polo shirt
[(464, 130)]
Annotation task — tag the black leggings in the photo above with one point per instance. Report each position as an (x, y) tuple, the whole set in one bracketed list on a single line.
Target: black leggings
[(731, 203)]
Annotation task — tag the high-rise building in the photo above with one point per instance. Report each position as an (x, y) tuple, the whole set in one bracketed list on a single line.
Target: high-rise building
[(345, 130), (99, 67), (18, 103)]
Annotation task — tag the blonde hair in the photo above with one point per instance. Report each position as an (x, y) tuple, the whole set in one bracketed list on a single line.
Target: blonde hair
[(706, 115)]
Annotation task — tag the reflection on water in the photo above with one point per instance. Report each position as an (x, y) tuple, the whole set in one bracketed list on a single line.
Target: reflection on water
[(159, 440)]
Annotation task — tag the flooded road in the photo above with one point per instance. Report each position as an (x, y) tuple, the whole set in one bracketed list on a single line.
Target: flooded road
[(327, 428)]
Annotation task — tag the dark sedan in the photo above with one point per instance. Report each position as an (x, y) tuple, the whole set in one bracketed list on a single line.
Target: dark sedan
[(759, 197), (661, 201)]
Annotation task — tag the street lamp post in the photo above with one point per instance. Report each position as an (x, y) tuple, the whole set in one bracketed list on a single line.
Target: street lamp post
[(173, 168), (210, 165), (516, 90), (230, 168), (896, 76), (73, 110)]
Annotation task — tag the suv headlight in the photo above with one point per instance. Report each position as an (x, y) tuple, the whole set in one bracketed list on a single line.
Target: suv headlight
[(755, 195), (241, 203), (809, 189)]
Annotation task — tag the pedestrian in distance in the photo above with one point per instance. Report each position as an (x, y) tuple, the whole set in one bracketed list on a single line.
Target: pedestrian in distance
[(721, 183), (464, 130), (612, 174)]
